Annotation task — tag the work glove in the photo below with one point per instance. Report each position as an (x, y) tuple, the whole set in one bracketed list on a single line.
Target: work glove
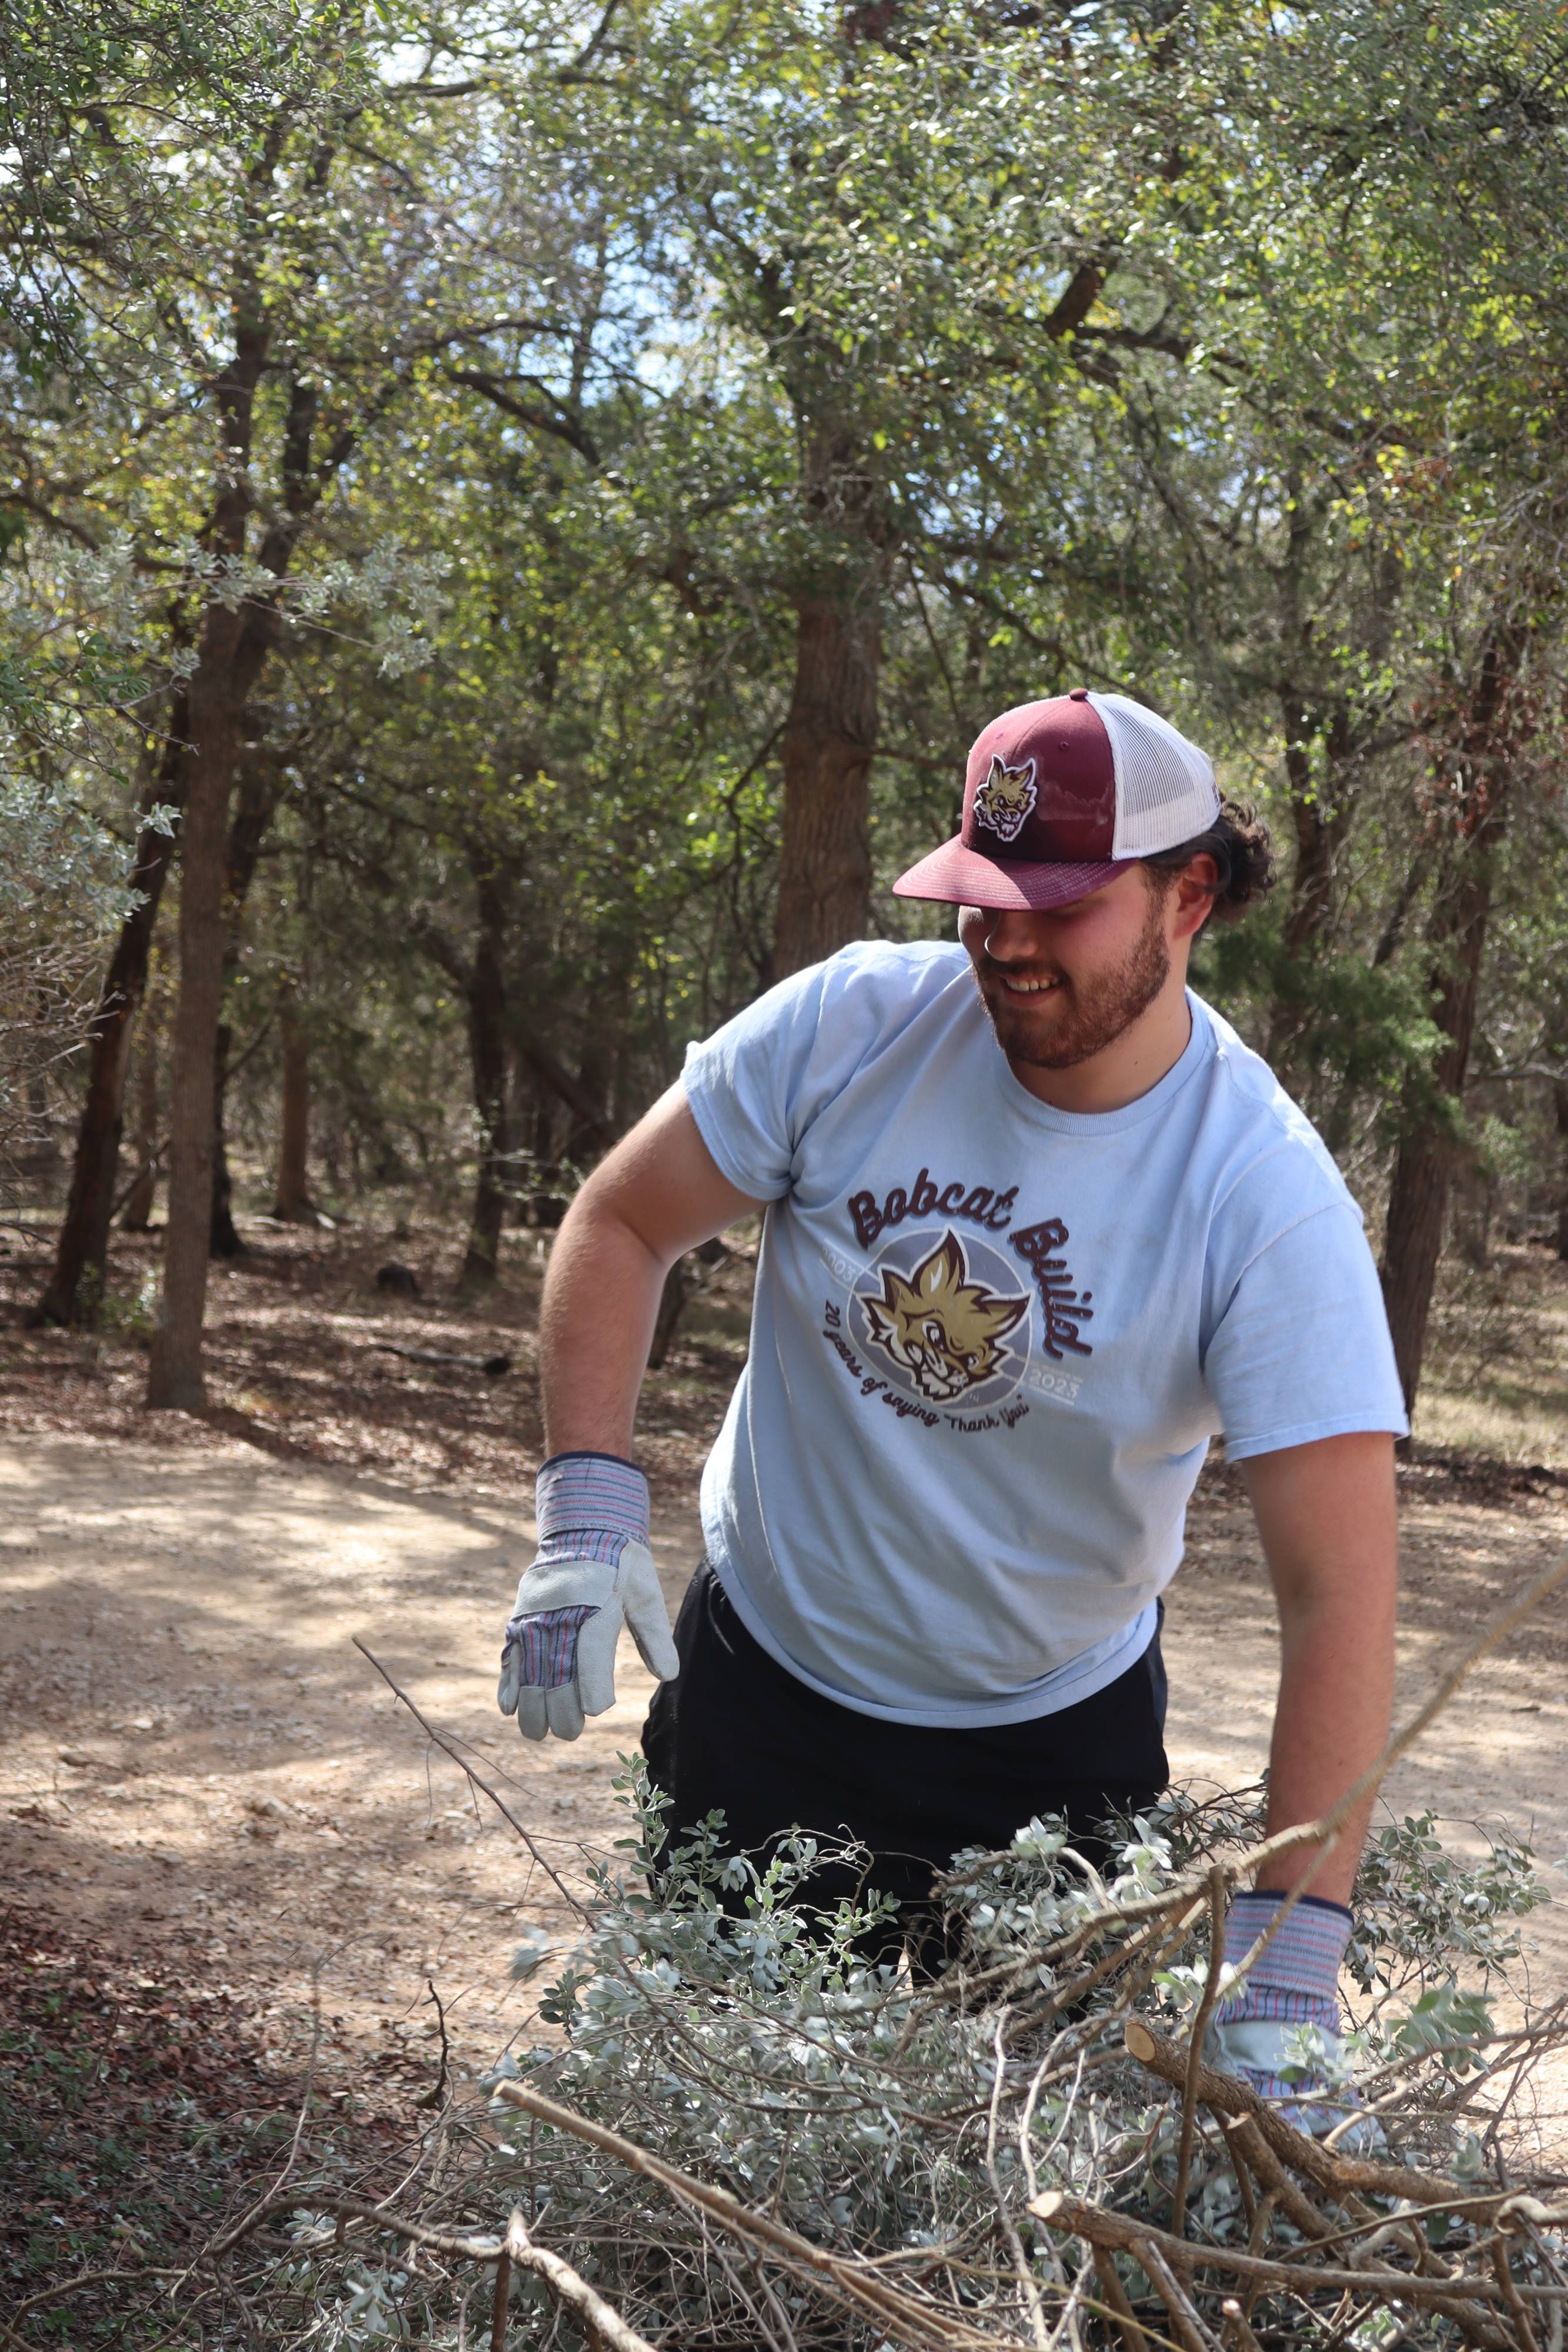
[(1281, 2030), (593, 1569)]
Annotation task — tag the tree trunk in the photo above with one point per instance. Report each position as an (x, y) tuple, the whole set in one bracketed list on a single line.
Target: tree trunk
[(1320, 820), (1560, 1105), (487, 1055), (829, 742), (1473, 1192), (672, 1305), (522, 1116), (546, 1202), (1423, 1165), (291, 1203), (684, 1278), (332, 1142), (83, 1242), (137, 1214), (217, 698), (260, 780), (1322, 803), (223, 1234), (231, 648), (831, 729)]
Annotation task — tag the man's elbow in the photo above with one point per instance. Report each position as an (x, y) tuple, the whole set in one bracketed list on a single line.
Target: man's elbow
[(599, 1219)]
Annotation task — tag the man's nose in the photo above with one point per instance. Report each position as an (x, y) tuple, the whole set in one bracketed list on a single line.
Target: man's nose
[(1015, 934)]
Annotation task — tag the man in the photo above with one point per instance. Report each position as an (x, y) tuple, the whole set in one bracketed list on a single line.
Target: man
[(1038, 1226)]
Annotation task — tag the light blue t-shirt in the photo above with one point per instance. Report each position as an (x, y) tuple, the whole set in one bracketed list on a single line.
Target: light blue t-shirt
[(990, 1340)]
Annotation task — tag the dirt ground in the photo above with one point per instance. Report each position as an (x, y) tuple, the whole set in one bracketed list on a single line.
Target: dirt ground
[(202, 1776)]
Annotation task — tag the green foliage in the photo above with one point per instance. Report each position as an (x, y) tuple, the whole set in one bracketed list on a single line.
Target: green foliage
[(718, 2018), (1209, 357), (65, 883), (1415, 1901)]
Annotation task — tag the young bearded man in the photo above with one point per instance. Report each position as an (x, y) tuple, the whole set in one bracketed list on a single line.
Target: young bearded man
[(1038, 1226)]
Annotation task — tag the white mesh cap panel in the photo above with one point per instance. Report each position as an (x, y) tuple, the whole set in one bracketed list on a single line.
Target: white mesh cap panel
[(1166, 790)]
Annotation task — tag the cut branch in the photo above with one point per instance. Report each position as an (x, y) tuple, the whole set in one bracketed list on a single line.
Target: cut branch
[(604, 2322), (1120, 2233)]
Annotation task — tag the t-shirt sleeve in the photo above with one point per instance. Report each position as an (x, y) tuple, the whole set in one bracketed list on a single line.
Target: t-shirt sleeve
[(746, 1084), (1302, 1349)]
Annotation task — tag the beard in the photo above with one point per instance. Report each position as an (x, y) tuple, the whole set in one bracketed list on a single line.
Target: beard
[(1079, 1018)]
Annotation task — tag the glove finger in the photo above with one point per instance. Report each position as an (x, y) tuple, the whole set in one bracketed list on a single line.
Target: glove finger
[(533, 1721), (656, 1648), (563, 1711), (646, 1613), (506, 1688), (596, 1663)]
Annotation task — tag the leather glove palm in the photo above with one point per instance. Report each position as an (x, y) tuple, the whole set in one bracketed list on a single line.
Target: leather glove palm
[(592, 1572)]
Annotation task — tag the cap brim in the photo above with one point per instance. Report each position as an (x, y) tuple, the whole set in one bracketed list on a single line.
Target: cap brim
[(966, 877)]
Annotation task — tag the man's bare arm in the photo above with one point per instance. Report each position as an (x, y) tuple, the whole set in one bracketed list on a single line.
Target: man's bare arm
[(1326, 1514), (659, 1192)]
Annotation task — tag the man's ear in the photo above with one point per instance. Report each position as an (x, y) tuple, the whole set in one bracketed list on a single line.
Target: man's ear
[(1196, 888)]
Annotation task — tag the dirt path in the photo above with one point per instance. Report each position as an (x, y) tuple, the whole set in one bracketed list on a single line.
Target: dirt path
[(199, 1768)]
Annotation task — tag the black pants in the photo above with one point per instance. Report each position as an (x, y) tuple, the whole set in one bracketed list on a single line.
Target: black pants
[(735, 1731)]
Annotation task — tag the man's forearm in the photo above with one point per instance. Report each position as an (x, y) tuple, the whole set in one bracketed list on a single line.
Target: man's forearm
[(596, 1324), (657, 1195), (1331, 1723), (1327, 1516)]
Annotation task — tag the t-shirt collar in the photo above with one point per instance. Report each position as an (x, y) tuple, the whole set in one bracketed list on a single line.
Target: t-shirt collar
[(1197, 1050)]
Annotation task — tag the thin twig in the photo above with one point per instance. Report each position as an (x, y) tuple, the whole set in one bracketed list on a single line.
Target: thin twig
[(1129, 2326), (1505, 1623), (482, 2249), (447, 1748), (434, 2098), (1190, 2331), (1510, 2285), (1195, 2047), (63, 2289), (1019, 2260), (1232, 2311), (501, 2297)]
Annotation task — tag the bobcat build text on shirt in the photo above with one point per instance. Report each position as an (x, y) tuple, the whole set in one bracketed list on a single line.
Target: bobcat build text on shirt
[(991, 1341)]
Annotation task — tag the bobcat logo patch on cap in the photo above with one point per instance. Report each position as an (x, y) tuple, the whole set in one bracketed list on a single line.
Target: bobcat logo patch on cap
[(1006, 799)]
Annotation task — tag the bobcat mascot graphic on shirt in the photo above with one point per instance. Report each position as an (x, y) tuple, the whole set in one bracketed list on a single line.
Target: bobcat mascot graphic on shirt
[(940, 1329), (1005, 799)]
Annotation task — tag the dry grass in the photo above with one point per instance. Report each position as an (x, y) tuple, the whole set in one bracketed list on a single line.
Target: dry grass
[(1496, 1380)]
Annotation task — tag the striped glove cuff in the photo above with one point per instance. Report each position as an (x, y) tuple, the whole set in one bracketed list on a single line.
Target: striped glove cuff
[(1296, 1980), (590, 1507)]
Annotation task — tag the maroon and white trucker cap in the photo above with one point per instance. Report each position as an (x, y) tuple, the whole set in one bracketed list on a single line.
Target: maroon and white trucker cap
[(1061, 796)]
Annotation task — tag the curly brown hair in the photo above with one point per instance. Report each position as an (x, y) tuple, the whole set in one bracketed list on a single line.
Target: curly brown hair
[(1238, 843)]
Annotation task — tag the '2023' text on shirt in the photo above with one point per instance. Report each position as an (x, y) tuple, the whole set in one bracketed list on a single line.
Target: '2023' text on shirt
[(991, 1341)]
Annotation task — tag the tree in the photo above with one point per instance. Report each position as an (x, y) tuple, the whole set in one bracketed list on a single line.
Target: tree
[(258, 398), (554, 799), (1479, 739), (81, 1246), (64, 885), (111, 271), (611, 473), (886, 221)]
